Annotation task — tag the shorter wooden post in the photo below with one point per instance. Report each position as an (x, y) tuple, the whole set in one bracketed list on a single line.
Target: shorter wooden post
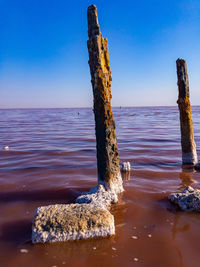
[(189, 154)]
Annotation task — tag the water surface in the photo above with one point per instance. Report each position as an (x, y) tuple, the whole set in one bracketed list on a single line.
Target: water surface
[(52, 159)]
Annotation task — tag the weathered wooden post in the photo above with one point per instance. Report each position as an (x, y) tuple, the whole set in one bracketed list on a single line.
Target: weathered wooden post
[(106, 141), (89, 217), (189, 154)]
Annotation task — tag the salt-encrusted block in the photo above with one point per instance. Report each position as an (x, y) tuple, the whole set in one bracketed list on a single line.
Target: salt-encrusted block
[(61, 222), (187, 200)]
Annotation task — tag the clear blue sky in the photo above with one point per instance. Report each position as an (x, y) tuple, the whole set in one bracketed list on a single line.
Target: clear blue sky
[(44, 57)]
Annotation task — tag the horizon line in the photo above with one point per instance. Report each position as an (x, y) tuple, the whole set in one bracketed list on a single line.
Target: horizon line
[(26, 108)]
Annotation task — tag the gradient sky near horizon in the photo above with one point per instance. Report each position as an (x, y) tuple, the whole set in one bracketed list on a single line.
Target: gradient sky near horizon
[(44, 57)]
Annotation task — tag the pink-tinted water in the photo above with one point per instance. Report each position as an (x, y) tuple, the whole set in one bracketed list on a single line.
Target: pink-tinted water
[(52, 158)]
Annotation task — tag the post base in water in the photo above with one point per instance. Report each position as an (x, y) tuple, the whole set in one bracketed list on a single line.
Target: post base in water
[(189, 158)]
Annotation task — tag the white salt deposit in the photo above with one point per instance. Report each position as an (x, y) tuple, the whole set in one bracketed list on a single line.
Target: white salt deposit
[(187, 200), (98, 196), (115, 185), (23, 250), (125, 166), (134, 237)]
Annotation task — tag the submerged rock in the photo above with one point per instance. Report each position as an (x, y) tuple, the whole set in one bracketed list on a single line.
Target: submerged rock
[(61, 222), (187, 200)]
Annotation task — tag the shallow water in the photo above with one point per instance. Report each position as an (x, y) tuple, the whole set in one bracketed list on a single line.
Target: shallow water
[(52, 159)]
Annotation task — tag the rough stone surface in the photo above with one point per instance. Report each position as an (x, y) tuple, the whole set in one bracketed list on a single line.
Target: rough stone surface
[(187, 200), (125, 166), (106, 141), (71, 222), (189, 154)]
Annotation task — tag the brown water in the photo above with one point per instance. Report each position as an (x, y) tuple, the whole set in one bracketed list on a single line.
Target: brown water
[(52, 159)]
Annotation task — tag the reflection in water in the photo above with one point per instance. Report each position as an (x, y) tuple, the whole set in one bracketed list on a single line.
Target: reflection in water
[(177, 229), (180, 257), (186, 178), (126, 176)]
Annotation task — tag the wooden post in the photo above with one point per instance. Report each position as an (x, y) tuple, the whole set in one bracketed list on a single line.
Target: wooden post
[(106, 141), (189, 154)]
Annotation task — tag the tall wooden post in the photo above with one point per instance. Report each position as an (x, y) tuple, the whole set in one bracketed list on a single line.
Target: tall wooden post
[(106, 141), (189, 154)]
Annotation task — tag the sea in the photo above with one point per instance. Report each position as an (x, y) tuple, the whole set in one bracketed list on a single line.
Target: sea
[(51, 158)]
